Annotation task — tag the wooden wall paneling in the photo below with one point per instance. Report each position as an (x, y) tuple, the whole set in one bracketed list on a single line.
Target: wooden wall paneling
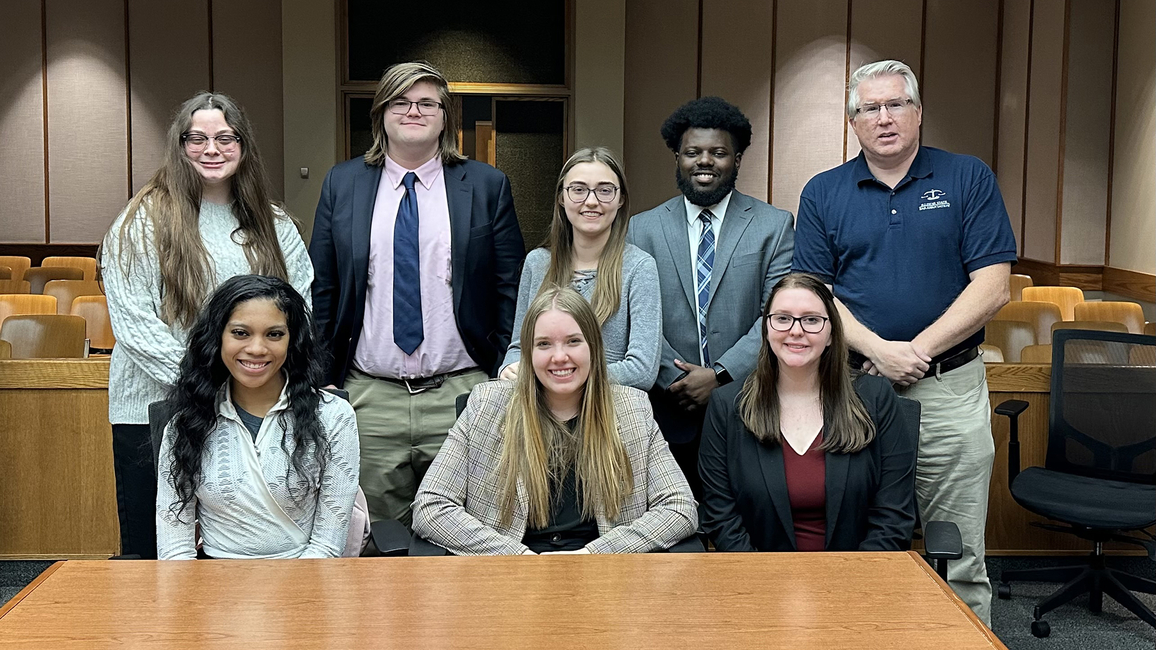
[(810, 78), (22, 125), (740, 31), (1141, 286), (246, 65), (884, 29), (167, 66), (1043, 145), (959, 106), (88, 131), (1085, 188), (1012, 110), (1133, 236), (661, 75)]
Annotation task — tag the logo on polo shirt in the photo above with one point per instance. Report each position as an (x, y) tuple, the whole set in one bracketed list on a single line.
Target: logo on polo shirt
[(934, 200)]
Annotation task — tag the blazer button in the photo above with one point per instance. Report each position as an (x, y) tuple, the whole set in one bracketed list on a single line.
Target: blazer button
[(556, 538)]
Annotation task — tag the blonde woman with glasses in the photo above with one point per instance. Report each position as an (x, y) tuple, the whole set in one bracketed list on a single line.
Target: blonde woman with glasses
[(559, 460), (205, 216)]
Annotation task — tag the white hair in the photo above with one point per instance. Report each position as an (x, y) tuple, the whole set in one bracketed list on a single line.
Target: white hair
[(881, 69)]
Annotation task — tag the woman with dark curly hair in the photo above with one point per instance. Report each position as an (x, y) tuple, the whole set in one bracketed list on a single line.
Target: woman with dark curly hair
[(256, 453)]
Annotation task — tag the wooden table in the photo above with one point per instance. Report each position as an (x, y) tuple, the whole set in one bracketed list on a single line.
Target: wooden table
[(711, 600)]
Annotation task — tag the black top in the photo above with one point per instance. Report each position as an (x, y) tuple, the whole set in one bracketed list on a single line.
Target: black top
[(566, 530), (251, 422)]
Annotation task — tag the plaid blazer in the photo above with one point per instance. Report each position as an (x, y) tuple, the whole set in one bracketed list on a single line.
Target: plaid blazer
[(457, 505)]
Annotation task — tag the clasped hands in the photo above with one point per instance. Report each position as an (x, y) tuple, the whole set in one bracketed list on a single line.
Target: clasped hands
[(901, 362), (693, 390)]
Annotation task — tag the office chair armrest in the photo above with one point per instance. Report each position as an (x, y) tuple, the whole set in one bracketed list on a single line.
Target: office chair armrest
[(1012, 409), (691, 544), (390, 537), (419, 546), (942, 542)]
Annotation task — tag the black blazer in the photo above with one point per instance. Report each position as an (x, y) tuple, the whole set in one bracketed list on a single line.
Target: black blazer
[(486, 258), (870, 494)]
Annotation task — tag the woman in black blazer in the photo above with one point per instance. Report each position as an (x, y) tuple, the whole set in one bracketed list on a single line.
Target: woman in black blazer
[(800, 456)]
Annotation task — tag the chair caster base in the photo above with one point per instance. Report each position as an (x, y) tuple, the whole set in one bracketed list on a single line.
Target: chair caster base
[(1041, 629), (1003, 591)]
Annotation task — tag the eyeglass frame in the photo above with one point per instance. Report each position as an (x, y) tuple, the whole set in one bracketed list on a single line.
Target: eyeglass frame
[(797, 319), (902, 105), (389, 106), (220, 147), (588, 191)]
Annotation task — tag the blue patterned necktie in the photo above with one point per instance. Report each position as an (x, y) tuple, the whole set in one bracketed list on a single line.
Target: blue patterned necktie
[(702, 277), (407, 325)]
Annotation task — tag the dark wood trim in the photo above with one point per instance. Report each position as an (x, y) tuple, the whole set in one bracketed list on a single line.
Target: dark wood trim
[(339, 23), (1063, 136), (212, 77), (44, 101), (1111, 138), (128, 98), (29, 588), (922, 54), (698, 56), (998, 87), (569, 121), (1138, 286), (1027, 125), (771, 124), (37, 252), (847, 79), (1133, 284)]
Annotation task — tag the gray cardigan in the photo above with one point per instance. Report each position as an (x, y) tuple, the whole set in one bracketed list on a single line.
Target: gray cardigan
[(631, 337)]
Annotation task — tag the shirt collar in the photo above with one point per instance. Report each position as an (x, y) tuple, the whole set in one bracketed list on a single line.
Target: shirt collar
[(920, 167), (225, 400), (426, 174), (719, 209)]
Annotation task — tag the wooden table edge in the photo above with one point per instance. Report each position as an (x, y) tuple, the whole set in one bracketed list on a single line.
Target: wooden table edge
[(26, 591), (947, 591)]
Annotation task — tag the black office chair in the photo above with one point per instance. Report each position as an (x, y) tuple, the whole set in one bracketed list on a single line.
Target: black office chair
[(1099, 475)]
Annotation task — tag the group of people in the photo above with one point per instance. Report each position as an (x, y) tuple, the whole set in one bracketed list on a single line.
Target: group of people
[(709, 365)]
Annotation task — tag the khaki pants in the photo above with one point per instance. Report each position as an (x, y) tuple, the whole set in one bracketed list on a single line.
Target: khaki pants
[(953, 472), (400, 435)]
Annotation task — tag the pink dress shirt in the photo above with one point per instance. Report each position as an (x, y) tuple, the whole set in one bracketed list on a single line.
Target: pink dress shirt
[(442, 350)]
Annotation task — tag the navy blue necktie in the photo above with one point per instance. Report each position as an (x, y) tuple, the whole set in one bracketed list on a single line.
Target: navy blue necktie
[(407, 326), (705, 265)]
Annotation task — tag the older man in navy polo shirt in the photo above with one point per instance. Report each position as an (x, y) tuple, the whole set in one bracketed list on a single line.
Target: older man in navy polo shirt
[(917, 246)]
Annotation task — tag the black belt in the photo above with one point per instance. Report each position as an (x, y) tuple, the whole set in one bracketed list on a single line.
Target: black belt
[(419, 385), (936, 367)]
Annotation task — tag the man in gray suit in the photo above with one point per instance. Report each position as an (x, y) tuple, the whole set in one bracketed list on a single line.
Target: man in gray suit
[(719, 252)]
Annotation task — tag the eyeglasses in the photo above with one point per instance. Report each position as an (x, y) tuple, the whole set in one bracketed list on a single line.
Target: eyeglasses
[(895, 108), (197, 142), (426, 107), (784, 323), (604, 193)]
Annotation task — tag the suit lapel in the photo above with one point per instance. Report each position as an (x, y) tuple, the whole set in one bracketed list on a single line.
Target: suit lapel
[(365, 186), (738, 217), (836, 481), (771, 461), (460, 196), (675, 230)]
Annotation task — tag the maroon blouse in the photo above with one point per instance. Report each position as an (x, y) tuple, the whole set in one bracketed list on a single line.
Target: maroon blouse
[(807, 486)]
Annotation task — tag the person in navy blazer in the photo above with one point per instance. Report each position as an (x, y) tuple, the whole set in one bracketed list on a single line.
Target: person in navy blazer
[(459, 243), (801, 456)]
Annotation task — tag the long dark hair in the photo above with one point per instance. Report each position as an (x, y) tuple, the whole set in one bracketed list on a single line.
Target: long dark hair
[(847, 428), (202, 373)]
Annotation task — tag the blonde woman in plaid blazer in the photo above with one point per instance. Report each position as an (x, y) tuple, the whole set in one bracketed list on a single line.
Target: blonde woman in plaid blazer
[(559, 435)]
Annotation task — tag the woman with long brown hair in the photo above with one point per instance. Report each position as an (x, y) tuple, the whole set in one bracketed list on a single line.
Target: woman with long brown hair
[(802, 456), (560, 460), (205, 216), (587, 250)]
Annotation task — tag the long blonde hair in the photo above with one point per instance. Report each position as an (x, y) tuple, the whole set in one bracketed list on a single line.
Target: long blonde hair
[(171, 202), (602, 468), (397, 81), (847, 428), (607, 294)]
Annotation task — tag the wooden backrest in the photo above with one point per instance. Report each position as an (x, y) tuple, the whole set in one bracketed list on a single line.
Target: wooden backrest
[(65, 291), (14, 286), (991, 353), (1010, 336), (1098, 325), (5, 350), (38, 276), (1040, 315), (94, 311), (1150, 329), (18, 263), (1016, 284), (5, 272), (44, 336), (12, 304), (1128, 314), (1036, 354), (1063, 297), (85, 264)]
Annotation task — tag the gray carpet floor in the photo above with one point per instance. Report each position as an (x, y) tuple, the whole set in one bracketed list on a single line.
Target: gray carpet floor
[(1073, 626)]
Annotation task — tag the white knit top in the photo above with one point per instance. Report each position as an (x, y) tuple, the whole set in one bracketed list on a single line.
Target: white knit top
[(250, 502), (148, 352)]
